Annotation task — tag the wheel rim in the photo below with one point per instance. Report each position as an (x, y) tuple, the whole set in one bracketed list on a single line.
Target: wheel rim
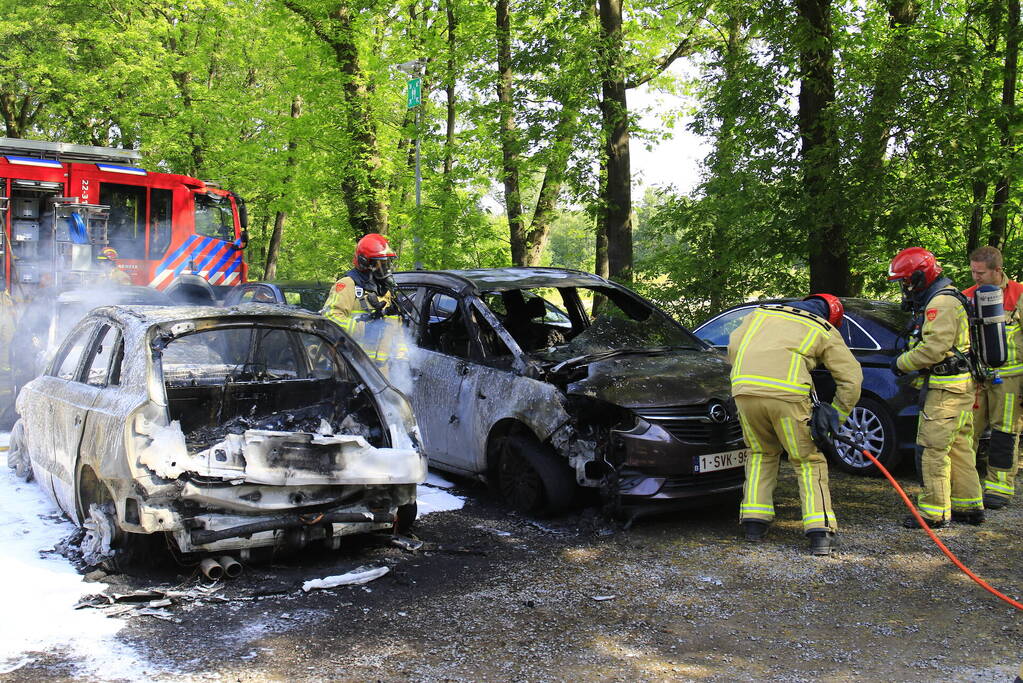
[(866, 428), (520, 484)]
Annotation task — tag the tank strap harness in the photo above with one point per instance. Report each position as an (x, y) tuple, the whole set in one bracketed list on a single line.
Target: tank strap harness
[(985, 315)]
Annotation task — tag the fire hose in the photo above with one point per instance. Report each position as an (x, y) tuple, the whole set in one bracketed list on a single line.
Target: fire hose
[(923, 523)]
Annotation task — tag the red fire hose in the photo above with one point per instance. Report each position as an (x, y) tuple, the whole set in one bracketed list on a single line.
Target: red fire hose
[(923, 524)]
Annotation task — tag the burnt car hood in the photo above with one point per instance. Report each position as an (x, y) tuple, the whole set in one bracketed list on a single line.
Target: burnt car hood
[(682, 378)]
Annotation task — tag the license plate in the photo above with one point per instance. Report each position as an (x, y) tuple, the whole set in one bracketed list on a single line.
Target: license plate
[(720, 461)]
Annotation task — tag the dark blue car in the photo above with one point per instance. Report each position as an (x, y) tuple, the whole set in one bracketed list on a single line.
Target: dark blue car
[(885, 417)]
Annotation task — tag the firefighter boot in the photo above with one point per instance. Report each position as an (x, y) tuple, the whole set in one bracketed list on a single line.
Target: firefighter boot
[(821, 542), (910, 523), (993, 502), (974, 517), (755, 529)]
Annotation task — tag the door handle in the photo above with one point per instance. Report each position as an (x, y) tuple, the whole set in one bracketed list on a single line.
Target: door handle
[(462, 368), (78, 420)]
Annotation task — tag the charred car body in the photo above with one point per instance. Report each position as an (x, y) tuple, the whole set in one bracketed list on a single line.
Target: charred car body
[(541, 380), (223, 430)]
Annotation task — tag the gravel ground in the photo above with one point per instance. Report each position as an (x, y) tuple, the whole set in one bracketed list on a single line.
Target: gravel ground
[(492, 597)]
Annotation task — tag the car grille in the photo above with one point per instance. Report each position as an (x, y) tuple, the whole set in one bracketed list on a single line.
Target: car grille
[(692, 424)]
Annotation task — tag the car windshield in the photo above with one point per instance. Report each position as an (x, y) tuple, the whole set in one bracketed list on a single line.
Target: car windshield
[(308, 297), (556, 324)]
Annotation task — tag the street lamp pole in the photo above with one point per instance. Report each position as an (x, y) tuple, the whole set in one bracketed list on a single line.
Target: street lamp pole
[(414, 97)]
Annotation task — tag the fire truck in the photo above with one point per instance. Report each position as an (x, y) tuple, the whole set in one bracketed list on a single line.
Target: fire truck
[(63, 204)]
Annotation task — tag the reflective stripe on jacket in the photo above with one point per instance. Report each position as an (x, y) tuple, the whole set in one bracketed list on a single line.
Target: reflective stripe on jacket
[(774, 349), (381, 337), (944, 328)]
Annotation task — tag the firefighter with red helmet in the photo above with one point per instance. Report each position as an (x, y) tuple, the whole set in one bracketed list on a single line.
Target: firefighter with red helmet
[(939, 348), (772, 353), (998, 400), (107, 259), (362, 305)]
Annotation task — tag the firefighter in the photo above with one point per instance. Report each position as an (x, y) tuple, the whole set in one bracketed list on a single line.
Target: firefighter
[(108, 267), (362, 305), (938, 347), (998, 403), (772, 353)]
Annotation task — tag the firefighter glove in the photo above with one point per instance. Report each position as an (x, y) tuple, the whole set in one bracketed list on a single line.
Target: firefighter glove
[(824, 424), (895, 367)]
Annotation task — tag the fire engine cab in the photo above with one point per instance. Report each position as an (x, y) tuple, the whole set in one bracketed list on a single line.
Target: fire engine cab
[(62, 205)]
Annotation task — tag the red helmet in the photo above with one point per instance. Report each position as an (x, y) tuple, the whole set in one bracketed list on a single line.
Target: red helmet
[(835, 308), (908, 262), (374, 253)]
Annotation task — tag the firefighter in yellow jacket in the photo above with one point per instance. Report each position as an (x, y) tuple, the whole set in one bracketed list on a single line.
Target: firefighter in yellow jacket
[(939, 348), (361, 304), (772, 353), (998, 400), (107, 260)]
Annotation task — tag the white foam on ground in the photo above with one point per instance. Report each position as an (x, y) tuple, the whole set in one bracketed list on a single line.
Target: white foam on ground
[(431, 496), (38, 594)]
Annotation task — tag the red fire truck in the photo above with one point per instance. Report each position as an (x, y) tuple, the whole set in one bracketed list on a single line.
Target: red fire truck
[(62, 204)]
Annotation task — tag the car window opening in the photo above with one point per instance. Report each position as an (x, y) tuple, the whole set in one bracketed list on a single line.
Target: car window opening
[(228, 380)]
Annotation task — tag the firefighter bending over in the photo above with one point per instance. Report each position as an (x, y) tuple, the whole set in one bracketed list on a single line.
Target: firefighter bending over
[(938, 348), (361, 304), (772, 353), (998, 402), (107, 259)]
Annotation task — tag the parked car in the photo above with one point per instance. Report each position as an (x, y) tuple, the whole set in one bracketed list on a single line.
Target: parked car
[(222, 430), (307, 294), (544, 380), (885, 417)]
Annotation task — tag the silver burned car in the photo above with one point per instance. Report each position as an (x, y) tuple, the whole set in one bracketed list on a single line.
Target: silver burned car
[(254, 427)]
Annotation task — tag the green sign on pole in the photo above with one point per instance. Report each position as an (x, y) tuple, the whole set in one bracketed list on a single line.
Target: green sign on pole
[(414, 93)]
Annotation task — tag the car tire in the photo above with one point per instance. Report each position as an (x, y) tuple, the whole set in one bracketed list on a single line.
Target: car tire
[(405, 518), (17, 452), (871, 424), (98, 513), (532, 479)]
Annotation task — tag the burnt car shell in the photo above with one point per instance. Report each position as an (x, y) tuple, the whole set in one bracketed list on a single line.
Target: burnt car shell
[(307, 442), (631, 422)]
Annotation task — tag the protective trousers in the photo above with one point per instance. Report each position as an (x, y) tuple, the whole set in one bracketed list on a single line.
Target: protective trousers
[(998, 406), (770, 426), (948, 463)]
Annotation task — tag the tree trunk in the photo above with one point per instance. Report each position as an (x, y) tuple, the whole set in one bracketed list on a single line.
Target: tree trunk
[(362, 186), (509, 136), (554, 175), (976, 216), (829, 256), (274, 247), (1000, 205), (615, 114), (449, 90)]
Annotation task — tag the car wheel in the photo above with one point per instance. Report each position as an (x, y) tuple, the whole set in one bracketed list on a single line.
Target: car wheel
[(532, 479), (405, 518), (871, 425), (17, 453), (105, 543)]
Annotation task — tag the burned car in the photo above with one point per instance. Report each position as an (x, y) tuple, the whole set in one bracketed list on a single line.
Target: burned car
[(223, 430), (542, 380)]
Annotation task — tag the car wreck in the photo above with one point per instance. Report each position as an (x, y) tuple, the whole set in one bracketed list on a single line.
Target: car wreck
[(542, 381), (222, 430)]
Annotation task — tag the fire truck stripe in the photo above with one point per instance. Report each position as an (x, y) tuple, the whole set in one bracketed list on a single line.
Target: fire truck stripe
[(209, 257), (167, 261), (220, 264), (192, 256), (233, 271), (165, 270)]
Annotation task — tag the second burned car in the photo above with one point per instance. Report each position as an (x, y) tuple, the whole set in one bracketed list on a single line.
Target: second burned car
[(541, 381)]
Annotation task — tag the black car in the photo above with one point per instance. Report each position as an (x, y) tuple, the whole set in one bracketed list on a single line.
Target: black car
[(307, 294), (544, 380), (885, 418)]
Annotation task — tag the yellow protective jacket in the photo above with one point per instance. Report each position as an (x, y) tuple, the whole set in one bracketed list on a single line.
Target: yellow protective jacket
[(944, 328), (380, 336), (1012, 295), (774, 349)]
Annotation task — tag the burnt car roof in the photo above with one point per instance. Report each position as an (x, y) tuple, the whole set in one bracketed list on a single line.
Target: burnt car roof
[(503, 279), (156, 315)]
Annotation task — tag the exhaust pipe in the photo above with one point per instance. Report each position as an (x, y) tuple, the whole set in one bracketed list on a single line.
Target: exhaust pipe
[(232, 567), (212, 569)]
